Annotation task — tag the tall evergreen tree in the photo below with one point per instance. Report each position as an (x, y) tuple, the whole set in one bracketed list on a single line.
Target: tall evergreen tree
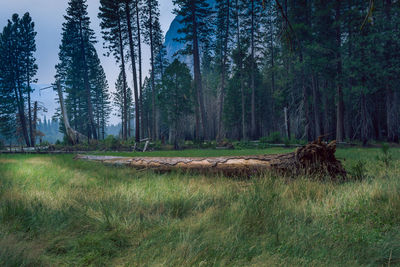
[(112, 16), (73, 70), (196, 30), (175, 95), (18, 68)]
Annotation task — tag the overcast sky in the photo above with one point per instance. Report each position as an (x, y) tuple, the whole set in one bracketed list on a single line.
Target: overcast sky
[(48, 17)]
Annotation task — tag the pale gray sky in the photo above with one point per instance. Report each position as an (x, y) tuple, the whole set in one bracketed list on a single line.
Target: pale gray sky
[(48, 17)]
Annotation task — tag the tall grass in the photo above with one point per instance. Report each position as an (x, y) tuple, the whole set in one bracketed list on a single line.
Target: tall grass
[(57, 211)]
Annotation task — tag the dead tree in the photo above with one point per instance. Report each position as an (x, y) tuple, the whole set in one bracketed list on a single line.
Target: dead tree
[(73, 136), (316, 158)]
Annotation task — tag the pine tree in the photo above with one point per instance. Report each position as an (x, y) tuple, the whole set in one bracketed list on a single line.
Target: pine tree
[(175, 96), (28, 47), (73, 70), (122, 92), (223, 35), (152, 33), (17, 45), (129, 6), (112, 15), (195, 15)]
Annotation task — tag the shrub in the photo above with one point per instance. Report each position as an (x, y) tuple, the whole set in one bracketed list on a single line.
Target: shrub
[(386, 156), (111, 142), (358, 171), (2, 146), (273, 138)]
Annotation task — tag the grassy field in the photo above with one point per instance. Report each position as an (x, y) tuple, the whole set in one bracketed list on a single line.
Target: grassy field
[(56, 211)]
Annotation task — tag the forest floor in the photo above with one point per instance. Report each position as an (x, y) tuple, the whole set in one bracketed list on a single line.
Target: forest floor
[(58, 211)]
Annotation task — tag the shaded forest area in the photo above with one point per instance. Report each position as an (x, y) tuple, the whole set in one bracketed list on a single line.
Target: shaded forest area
[(249, 69)]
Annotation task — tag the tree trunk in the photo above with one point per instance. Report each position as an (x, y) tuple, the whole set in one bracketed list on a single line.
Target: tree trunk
[(21, 111), (316, 158), (31, 133), (135, 85), (244, 131), (125, 104), (316, 106), (34, 122), (197, 73), (73, 136), (253, 89), (140, 68), (220, 133), (340, 101), (153, 86)]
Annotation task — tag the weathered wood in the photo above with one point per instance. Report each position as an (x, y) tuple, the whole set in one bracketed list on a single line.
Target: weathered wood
[(74, 136), (315, 158)]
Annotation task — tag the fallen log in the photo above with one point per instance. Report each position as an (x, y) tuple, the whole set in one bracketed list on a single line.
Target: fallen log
[(316, 158)]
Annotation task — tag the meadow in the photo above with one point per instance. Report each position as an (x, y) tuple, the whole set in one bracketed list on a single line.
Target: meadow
[(55, 211)]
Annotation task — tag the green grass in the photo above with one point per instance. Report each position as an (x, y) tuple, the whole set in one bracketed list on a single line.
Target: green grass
[(198, 152), (57, 211)]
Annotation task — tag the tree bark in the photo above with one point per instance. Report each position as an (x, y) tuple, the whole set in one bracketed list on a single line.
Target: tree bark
[(197, 72), (340, 101), (253, 89), (316, 106), (153, 86), (316, 158), (244, 130), (73, 136), (125, 104), (220, 133), (134, 78), (140, 68)]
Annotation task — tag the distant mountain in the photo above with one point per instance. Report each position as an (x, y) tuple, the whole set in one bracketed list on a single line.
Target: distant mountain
[(173, 46)]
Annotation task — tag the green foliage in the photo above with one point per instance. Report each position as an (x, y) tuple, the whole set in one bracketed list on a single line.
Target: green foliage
[(386, 157), (111, 143), (358, 171)]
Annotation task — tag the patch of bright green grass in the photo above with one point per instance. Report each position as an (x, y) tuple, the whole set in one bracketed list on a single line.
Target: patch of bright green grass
[(57, 211)]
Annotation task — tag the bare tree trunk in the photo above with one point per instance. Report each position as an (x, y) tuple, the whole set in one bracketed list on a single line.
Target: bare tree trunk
[(316, 106), (135, 85), (220, 133), (74, 136), (244, 130), (34, 122), (253, 89), (29, 106), (340, 101), (125, 104), (197, 73), (153, 87), (287, 122), (140, 68), (21, 110)]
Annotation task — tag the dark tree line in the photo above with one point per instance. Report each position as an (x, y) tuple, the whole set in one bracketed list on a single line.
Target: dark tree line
[(303, 68)]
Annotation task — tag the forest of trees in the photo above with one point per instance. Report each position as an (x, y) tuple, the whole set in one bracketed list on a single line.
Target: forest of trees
[(249, 68)]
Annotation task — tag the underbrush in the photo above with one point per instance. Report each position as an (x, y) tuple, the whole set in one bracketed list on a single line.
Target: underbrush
[(57, 211)]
